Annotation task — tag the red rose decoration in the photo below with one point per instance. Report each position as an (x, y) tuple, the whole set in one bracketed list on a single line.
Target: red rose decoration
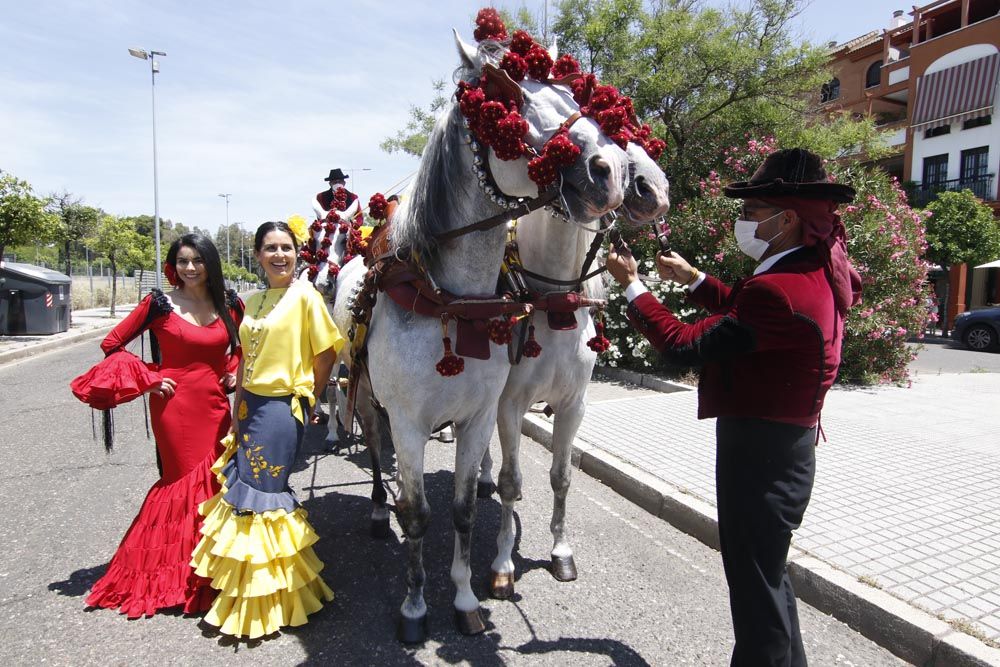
[(316, 225), (561, 149), (539, 63), (170, 271), (378, 207), (516, 66), (565, 66), (521, 43), (326, 242), (329, 227), (489, 26)]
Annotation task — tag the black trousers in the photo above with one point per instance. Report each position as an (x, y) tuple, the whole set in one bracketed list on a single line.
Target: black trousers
[(764, 476)]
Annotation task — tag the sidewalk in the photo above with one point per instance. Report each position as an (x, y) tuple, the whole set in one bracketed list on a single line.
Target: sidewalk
[(85, 325), (906, 504)]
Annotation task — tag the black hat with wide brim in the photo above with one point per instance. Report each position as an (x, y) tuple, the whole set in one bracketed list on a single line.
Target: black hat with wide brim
[(793, 172), (336, 175)]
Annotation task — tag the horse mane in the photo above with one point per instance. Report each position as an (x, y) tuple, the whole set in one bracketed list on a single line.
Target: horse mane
[(440, 179)]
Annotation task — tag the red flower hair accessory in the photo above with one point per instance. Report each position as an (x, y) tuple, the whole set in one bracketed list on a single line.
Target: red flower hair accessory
[(489, 26), (170, 271)]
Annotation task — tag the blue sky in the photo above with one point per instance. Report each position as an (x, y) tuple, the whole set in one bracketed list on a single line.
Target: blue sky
[(257, 99)]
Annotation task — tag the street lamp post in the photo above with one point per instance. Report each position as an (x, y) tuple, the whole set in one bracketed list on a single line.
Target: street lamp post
[(351, 171), (154, 67), (226, 196)]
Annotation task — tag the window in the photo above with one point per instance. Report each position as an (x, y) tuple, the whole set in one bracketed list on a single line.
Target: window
[(937, 131), (977, 122), (874, 75), (935, 170), (830, 91), (974, 163)]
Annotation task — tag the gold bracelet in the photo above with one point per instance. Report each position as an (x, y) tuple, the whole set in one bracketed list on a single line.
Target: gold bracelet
[(694, 277)]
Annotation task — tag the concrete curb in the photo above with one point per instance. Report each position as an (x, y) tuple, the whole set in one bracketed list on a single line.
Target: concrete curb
[(910, 633), (641, 379), (33, 349)]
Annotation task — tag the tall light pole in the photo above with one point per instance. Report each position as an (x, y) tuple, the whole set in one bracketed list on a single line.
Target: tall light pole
[(154, 67), (351, 171), (226, 196)]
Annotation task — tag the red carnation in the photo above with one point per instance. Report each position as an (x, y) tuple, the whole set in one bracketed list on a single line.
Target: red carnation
[(583, 88), (612, 120), (316, 225), (539, 63), (326, 242), (565, 66), (332, 269), (332, 216), (313, 272), (515, 65), (622, 137), (521, 43), (654, 147), (306, 256), (542, 170), (561, 149), (322, 255), (378, 206), (343, 227), (489, 25), (470, 101), (329, 227), (604, 97)]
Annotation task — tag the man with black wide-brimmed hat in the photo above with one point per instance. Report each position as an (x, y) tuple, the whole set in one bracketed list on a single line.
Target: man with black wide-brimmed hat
[(769, 351), (328, 199)]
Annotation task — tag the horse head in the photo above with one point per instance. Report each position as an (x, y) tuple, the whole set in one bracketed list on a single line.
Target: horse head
[(648, 194), (590, 185)]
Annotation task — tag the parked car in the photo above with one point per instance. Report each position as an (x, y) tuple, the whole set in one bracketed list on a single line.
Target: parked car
[(978, 329)]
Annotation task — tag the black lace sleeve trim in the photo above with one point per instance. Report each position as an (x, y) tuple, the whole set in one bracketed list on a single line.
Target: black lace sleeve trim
[(159, 304)]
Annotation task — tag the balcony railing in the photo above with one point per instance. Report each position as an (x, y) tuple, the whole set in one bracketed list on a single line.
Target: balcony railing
[(981, 186)]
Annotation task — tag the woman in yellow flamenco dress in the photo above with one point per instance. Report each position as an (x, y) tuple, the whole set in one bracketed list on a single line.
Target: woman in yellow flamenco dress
[(256, 544)]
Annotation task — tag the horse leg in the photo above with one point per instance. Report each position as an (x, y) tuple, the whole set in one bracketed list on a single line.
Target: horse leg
[(564, 428), (375, 427), (509, 419), (337, 407), (413, 513), (485, 486), (474, 439)]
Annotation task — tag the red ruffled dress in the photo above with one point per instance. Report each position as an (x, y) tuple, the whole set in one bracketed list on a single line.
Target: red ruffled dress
[(151, 569)]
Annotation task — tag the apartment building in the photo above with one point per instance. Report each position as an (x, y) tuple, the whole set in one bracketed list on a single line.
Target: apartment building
[(929, 78)]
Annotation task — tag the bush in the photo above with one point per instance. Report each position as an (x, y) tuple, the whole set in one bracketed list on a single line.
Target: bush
[(885, 242)]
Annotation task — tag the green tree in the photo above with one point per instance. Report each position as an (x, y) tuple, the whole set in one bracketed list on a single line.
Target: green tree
[(77, 221), (23, 216), (117, 239), (961, 230), (412, 139)]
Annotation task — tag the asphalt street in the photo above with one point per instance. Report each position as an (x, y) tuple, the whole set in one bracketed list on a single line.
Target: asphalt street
[(942, 355), (647, 594)]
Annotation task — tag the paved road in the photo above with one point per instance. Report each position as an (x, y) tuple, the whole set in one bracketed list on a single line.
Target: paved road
[(647, 594), (942, 355)]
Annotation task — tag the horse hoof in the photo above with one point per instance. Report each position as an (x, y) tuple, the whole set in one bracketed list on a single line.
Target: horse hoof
[(380, 528), (502, 585), (485, 489), (563, 568), (412, 630), (469, 622), (331, 444)]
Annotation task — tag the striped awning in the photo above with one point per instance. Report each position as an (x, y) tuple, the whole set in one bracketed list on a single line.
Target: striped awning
[(957, 93)]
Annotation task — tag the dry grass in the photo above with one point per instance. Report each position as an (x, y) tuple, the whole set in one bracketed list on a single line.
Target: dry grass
[(128, 292)]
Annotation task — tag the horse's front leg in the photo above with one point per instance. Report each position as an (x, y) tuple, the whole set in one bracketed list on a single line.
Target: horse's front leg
[(564, 428), (376, 432), (509, 417), (337, 402), (413, 513), (473, 441)]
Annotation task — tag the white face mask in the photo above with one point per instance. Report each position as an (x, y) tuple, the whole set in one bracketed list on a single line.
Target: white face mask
[(746, 237)]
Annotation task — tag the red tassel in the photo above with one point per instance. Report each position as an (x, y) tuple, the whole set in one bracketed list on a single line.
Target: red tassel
[(501, 330), (531, 347), (599, 343), (450, 364)]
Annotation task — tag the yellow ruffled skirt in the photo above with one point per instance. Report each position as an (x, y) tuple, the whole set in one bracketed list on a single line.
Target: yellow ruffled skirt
[(263, 565)]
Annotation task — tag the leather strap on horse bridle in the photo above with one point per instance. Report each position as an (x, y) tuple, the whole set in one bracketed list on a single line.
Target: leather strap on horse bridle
[(503, 217)]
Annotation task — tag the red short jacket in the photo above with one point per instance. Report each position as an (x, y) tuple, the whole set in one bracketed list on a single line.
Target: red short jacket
[(769, 349)]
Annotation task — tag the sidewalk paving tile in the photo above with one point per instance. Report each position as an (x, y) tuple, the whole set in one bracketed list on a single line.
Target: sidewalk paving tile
[(907, 486)]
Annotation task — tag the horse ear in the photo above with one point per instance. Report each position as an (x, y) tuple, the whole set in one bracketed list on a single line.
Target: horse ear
[(467, 53), (554, 49)]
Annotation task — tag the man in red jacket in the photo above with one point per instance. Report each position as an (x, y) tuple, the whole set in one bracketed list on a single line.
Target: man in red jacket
[(768, 351)]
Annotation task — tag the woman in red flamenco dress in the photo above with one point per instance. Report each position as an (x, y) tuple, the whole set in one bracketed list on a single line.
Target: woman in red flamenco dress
[(193, 330)]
